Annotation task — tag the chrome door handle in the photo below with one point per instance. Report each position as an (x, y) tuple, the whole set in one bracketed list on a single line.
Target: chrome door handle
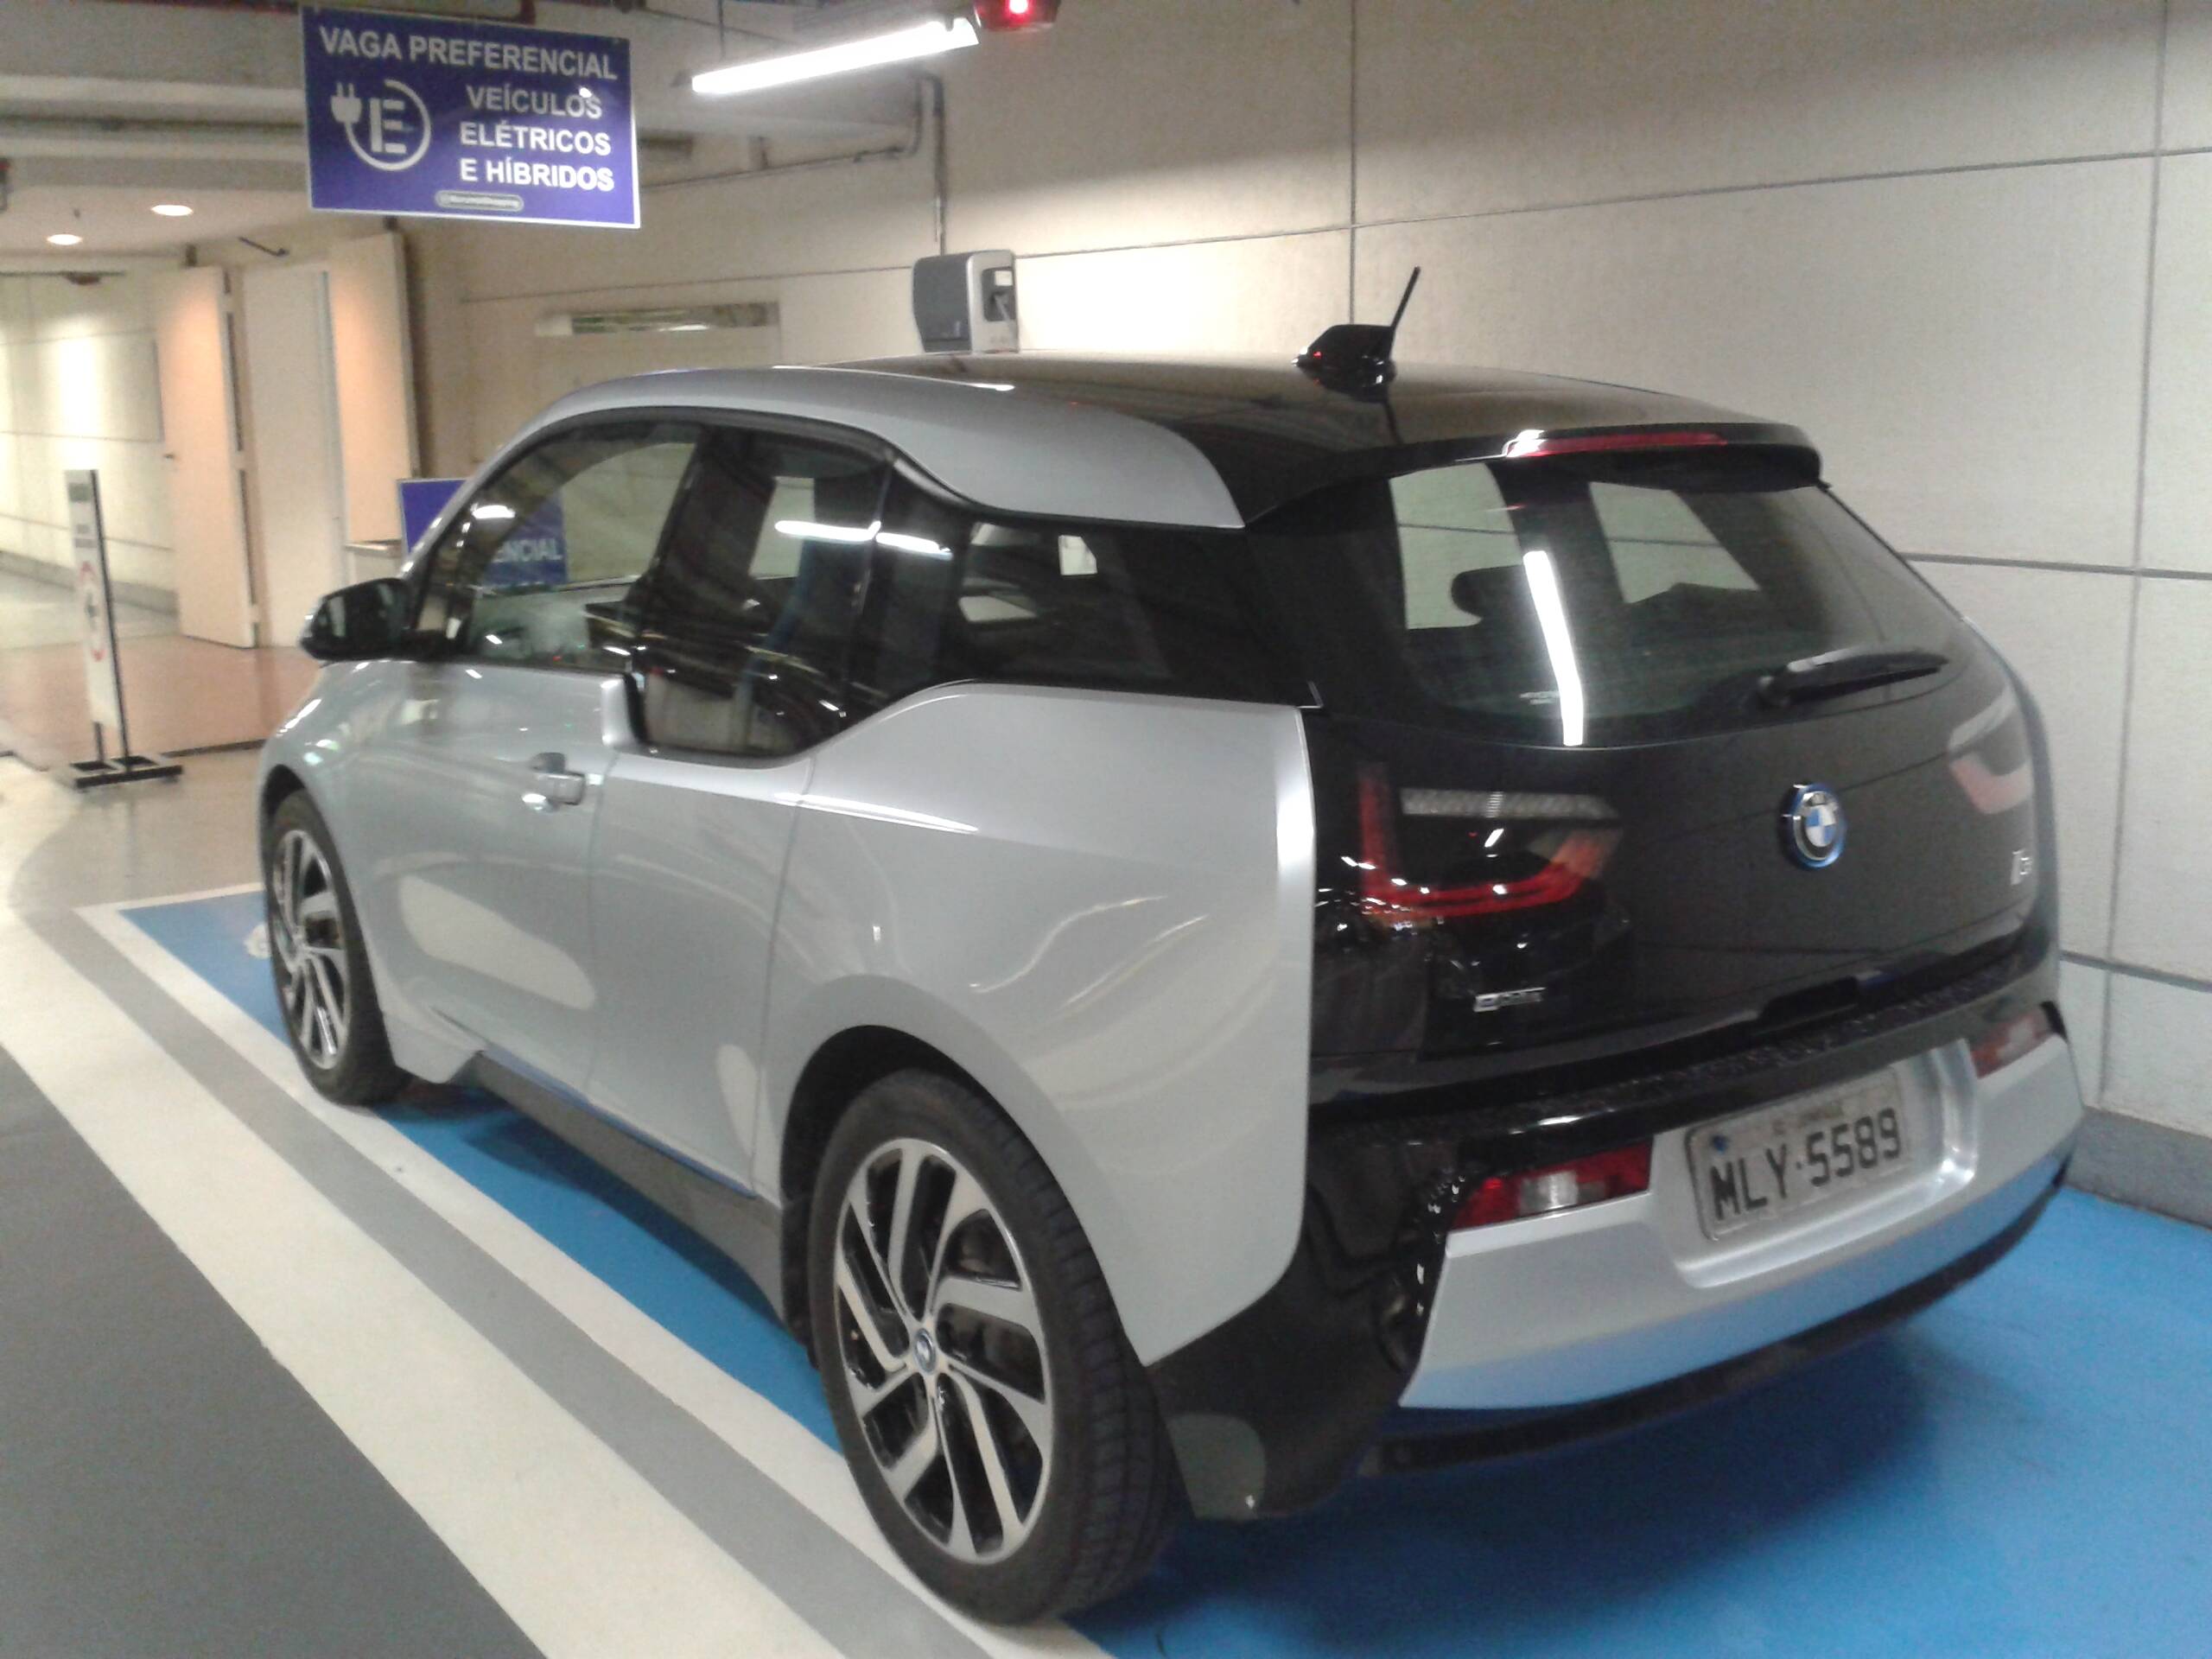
[(556, 785)]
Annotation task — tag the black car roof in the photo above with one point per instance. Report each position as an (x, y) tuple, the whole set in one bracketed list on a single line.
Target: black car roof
[(1274, 434)]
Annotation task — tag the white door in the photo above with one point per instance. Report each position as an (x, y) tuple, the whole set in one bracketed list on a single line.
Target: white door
[(298, 484), (214, 589)]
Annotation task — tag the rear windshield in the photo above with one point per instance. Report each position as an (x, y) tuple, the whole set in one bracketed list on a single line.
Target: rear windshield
[(1600, 599)]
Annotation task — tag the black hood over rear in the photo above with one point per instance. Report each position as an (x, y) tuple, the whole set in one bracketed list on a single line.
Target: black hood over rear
[(1699, 932), (1704, 932), (1567, 707)]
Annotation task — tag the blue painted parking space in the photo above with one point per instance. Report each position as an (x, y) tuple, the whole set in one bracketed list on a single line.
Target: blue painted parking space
[(2025, 1470)]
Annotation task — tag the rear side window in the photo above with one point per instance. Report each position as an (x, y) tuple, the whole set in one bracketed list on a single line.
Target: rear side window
[(1587, 600), (1118, 606), (746, 622)]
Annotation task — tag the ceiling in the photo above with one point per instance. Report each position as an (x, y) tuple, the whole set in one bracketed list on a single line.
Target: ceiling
[(120, 219), (107, 106)]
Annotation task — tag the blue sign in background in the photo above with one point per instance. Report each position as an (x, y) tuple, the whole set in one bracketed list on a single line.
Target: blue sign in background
[(459, 119), (534, 554), (421, 501)]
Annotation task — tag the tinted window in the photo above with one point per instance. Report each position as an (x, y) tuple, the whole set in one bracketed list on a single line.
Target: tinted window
[(536, 569), (1129, 607), (1598, 599), (746, 622)]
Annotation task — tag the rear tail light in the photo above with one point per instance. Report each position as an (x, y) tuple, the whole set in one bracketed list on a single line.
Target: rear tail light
[(1558, 1186), (1526, 850), (1996, 1049)]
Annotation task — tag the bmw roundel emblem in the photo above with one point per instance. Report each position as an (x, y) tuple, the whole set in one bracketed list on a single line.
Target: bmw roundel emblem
[(1812, 826)]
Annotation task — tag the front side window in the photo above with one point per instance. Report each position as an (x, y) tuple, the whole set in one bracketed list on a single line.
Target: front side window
[(1114, 606), (537, 570), (1590, 599), (746, 622)]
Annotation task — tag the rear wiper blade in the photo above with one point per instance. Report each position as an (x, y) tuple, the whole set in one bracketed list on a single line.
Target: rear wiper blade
[(1851, 668)]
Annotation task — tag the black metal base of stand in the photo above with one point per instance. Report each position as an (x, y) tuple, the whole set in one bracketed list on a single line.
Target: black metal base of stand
[(123, 769)]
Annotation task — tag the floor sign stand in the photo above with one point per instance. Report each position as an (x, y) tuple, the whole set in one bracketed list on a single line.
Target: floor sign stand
[(103, 672)]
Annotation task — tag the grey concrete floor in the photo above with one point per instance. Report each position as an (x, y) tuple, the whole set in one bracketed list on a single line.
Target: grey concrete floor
[(170, 1484), (166, 1487)]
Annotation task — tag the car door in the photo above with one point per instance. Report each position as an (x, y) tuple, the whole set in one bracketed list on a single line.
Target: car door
[(745, 625), (477, 798)]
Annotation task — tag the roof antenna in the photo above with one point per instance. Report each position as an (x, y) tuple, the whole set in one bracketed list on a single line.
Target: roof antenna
[(1399, 316), (1354, 358)]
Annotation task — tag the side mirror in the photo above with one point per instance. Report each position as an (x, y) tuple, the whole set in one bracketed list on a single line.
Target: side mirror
[(370, 618)]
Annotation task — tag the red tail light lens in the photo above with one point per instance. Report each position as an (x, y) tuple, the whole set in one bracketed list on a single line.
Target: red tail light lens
[(1573, 853), (1558, 1186), (2013, 1040)]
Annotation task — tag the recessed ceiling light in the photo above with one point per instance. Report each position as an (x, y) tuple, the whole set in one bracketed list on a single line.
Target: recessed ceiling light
[(172, 210), (65, 238)]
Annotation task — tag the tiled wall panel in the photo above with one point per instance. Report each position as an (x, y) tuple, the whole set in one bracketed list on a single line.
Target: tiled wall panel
[(1966, 348), (2165, 918), (1475, 105)]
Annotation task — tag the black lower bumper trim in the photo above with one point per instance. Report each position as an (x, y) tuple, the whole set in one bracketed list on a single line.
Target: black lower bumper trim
[(1271, 1410), (1479, 1437)]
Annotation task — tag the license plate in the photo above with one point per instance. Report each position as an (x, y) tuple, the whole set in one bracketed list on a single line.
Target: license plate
[(1754, 1170)]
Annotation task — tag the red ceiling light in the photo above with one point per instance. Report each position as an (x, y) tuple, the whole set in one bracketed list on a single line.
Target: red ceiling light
[(995, 16)]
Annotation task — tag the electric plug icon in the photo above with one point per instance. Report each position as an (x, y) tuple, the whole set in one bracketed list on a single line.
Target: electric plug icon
[(389, 129)]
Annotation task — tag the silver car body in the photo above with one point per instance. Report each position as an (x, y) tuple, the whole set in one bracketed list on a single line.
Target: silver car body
[(1096, 905), (1130, 984)]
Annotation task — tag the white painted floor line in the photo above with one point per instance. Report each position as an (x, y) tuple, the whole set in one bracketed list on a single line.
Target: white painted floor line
[(584, 1553), (180, 898), (754, 1427)]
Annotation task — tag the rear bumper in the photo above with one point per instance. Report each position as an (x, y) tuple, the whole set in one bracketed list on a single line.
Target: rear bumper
[(1429, 1438), (1387, 1317), (1558, 1309)]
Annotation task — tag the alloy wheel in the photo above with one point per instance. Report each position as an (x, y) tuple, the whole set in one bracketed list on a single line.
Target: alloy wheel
[(307, 932), (943, 1350)]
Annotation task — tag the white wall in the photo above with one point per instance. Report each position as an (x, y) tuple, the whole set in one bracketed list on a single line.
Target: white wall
[(1963, 244), (78, 389)]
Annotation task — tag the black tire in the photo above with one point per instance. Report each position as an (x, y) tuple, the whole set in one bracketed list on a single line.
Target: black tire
[(1110, 1496), (358, 1069)]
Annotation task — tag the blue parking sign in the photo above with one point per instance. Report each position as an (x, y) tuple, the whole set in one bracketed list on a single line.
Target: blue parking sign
[(459, 119)]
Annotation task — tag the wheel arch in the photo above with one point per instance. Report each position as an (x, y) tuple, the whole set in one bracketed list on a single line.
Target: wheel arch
[(280, 783), (840, 1068)]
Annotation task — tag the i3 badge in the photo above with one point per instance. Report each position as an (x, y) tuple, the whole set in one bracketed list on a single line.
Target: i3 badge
[(1812, 826)]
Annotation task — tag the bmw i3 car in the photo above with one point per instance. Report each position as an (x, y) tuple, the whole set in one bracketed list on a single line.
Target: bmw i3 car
[(1200, 929)]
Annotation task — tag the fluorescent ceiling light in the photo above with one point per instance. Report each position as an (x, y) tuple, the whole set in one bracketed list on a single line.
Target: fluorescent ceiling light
[(65, 238), (920, 40), (172, 210)]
